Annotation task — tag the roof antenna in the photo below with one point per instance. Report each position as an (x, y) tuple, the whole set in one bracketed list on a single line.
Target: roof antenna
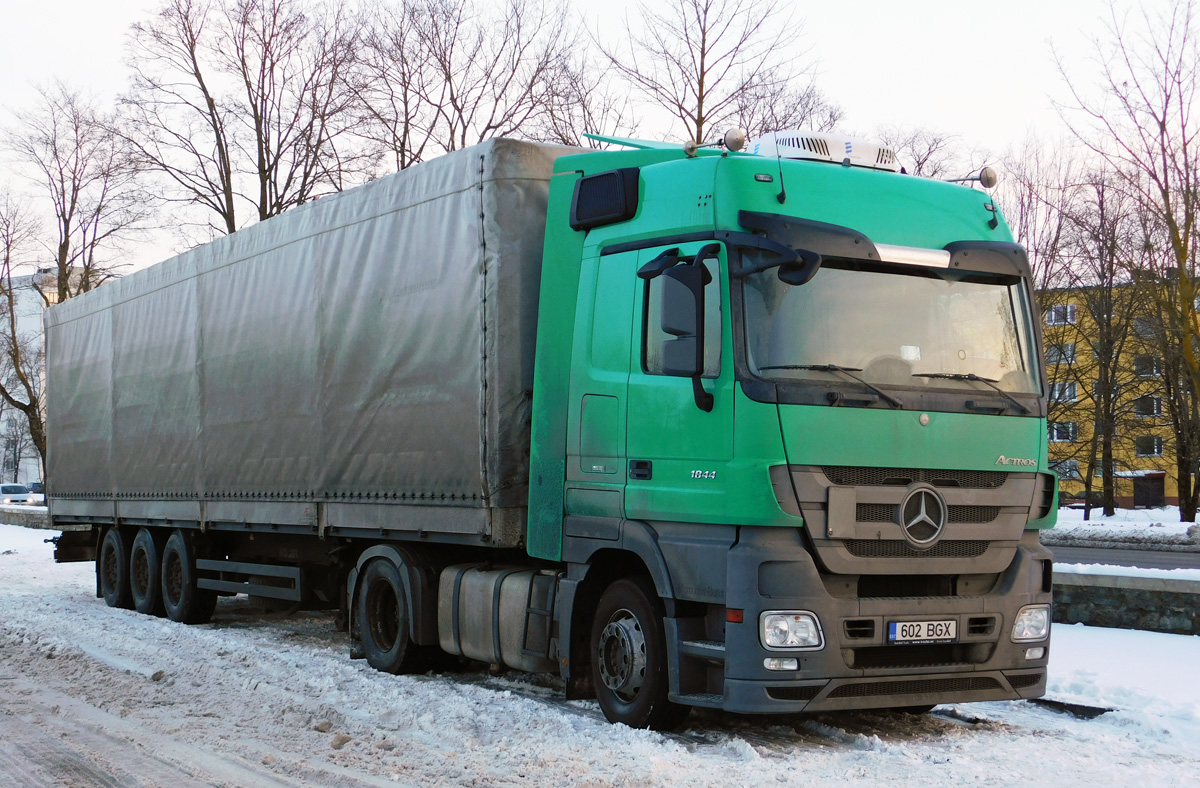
[(782, 196)]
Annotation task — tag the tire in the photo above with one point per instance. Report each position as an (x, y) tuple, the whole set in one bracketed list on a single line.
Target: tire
[(145, 573), (112, 568), (183, 601), (383, 615), (629, 658)]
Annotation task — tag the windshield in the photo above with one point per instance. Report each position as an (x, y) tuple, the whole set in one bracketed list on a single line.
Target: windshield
[(13, 489), (925, 328)]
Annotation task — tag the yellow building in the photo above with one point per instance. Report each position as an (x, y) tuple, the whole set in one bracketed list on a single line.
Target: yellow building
[(1142, 440)]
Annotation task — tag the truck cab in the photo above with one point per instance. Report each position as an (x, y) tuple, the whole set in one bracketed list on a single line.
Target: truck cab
[(802, 411)]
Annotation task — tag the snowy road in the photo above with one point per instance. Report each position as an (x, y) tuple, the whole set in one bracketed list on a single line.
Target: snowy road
[(92, 696)]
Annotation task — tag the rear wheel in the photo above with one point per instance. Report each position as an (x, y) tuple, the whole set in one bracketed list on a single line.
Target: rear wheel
[(145, 573), (629, 658), (112, 567), (383, 617), (183, 600)]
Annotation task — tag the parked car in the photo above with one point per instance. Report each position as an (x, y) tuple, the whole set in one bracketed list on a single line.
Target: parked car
[(1079, 500), (16, 493), (36, 488)]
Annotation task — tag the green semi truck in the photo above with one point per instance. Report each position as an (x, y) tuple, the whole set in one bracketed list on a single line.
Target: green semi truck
[(762, 432)]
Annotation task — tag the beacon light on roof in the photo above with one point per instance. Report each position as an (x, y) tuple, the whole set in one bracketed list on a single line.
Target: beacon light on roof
[(821, 146)]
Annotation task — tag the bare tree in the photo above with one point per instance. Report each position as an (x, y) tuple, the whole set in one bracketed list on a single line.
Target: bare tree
[(586, 100), (244, 102), (925, 152), (1103, 243), (493, 73), (715, 62), (174, 114), (17, 443), (90, 182), (390, 87), (20, 354), (1037, 197), (1141, 121), (779, 103)]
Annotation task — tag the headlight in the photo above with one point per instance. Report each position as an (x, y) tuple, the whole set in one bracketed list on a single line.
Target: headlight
[(1033, 623), (786, 629)]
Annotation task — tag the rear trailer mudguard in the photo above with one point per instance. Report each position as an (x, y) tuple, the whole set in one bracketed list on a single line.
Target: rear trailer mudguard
[(770, 570)]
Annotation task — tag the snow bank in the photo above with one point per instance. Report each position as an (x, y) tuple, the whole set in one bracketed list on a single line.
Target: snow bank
[(1127, 571), (1147, 529)]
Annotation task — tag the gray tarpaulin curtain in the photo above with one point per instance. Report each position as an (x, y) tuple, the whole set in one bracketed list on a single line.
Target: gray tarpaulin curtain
[(377, 343)]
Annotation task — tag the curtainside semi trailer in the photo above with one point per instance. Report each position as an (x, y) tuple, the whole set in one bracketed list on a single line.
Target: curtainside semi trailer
[(763, 432)]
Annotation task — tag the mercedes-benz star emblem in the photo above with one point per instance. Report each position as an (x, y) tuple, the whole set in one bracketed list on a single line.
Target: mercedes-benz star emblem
[(923, 516)]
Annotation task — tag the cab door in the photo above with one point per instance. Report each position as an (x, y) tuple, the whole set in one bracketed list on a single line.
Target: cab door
[(678, 452), (600, 359)]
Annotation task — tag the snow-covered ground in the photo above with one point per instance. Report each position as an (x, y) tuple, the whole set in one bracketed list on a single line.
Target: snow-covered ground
[(91, 695), (1150, 525)]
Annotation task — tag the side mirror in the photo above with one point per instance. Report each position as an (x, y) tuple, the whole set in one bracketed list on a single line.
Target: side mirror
[(682, 316), (798, 271)]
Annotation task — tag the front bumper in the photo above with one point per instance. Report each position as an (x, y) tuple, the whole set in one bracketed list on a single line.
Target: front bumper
[(857, 668)]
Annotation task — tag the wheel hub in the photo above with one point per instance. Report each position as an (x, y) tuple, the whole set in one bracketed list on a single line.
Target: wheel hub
[(622, 655)]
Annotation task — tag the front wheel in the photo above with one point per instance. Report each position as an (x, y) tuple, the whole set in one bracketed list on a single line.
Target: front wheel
[(629, 658)]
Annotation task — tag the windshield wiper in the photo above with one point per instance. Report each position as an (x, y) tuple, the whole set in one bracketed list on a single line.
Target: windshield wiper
[(848, 372), (976, 379)]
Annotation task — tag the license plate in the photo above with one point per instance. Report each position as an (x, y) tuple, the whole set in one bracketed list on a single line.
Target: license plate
[(922, 631)]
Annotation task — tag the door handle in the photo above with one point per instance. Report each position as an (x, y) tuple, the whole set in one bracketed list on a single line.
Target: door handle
[(641, 469)]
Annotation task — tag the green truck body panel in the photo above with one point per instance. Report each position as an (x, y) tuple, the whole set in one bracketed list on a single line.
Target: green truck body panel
[(595, 410)]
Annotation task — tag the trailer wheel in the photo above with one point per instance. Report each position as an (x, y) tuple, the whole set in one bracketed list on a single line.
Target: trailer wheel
[(113, 569), (183, 600), (145, 573), (383, 613), (629, 658)]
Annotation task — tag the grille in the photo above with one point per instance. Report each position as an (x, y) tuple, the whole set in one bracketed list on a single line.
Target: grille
[(895, 548), (972, 514), (886, 513), (981, 626), (915, 687), (922, 656), (793, 693), (1022, 682), (859, 629), (902, 477), (875, 513)]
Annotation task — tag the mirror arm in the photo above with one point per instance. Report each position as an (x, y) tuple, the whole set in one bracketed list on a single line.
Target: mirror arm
[(786, 255), (655, 267), (704, 400)]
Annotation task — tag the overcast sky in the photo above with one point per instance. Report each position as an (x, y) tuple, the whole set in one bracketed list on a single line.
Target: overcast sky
[(981, 71)]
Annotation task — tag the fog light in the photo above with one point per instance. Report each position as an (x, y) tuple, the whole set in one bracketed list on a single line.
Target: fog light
[(786, 629), (1033, 623), (1035, 653), (788, 663)]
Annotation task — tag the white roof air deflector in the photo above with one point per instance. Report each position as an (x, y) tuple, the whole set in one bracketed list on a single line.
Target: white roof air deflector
[(821, 146)]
